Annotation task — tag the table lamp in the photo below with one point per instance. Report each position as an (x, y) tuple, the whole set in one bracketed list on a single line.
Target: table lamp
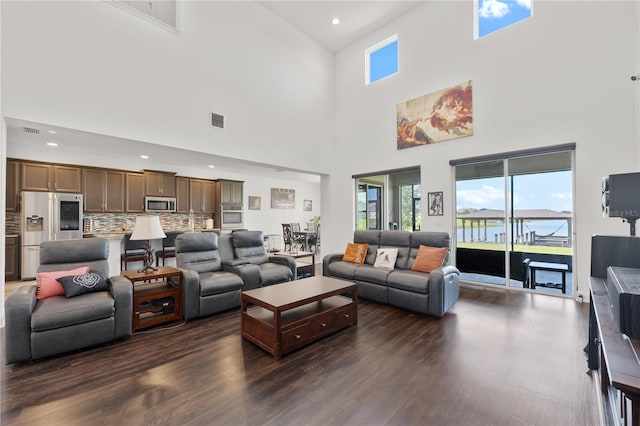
[(148, 228)]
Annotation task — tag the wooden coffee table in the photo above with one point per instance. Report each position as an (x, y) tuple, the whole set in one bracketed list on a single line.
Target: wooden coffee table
[(283, 317)]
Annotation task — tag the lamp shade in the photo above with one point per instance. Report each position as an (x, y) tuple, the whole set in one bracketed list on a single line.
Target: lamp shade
[(147, 228)]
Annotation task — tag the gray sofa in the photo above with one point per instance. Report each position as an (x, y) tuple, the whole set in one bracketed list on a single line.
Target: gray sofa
[(429, 293), (40, 328), (216, 268)]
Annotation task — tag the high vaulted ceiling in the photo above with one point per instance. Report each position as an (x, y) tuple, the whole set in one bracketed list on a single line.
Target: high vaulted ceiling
[(357, 18)]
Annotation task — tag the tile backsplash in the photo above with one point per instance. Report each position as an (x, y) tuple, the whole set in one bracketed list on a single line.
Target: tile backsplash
[(108, 223)]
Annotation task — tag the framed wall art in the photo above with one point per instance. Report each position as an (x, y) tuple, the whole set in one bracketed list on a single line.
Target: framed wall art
[(254, 202), (283, 198), (435, 200), (307, 205), (445, 114)]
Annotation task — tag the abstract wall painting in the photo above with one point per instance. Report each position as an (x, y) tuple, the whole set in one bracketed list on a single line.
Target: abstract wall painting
[(438, 116), (283, 198)]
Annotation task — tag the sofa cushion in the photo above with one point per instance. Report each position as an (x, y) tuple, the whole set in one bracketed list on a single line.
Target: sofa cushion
[(345, 270), (372, 275), (370, 237), (58, 311), (219, 282), (198, 252), (386, 258), (76, 285), (415, 282), (48, 286), (272, 273), (429, 258), (249, 245), (355, 253)]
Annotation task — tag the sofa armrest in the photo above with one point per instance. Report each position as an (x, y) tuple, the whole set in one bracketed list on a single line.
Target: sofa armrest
[(19, 306), (249, 273), (287, 261), (444, 289), (328, 260), (190, 294), (235, 262), (122, 291)]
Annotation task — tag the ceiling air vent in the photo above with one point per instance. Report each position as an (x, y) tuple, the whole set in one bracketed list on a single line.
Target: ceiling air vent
[(30, 130), (217, 120)]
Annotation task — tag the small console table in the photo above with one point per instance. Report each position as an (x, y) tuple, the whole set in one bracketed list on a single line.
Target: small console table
[(158, 297), (547, 266)]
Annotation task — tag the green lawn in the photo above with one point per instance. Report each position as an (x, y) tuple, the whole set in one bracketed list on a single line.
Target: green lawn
[(519, 247)]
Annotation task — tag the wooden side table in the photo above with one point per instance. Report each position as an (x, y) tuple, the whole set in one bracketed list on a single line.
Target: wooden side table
[(304, 269), (157, 299)]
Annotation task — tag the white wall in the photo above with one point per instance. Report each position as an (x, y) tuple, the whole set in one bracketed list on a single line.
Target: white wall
[(91, 66), (561, 76)]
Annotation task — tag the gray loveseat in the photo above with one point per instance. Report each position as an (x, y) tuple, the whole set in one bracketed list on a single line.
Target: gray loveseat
[(429, 293), (40, 328), (216, 268)]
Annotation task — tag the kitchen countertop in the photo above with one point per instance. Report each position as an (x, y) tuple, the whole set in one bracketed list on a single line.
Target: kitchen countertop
[(120, 235), (12, 235)]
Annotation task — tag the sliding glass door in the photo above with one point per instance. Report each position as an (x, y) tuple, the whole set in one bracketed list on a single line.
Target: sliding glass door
[(515, 223)]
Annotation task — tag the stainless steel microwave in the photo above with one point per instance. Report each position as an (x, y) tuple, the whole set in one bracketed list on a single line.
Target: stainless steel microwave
[(160, 204)]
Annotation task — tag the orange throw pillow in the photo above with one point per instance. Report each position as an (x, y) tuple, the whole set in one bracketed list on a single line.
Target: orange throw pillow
[(355, 253), (429, 258)]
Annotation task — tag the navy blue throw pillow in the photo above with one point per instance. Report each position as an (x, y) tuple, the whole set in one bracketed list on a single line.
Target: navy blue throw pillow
[(75, 285)]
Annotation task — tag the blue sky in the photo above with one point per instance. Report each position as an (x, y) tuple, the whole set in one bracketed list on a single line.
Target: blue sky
[(551, 191), (496, 14)]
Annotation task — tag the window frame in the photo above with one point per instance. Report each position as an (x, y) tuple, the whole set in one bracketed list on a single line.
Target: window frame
[(376, 47)]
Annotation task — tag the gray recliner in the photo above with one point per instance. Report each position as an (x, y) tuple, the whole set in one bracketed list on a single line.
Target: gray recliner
[(210, 279), (40, 328), (249, 246)]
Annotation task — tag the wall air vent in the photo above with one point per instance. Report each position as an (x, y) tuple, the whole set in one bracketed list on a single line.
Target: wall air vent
[(217, 120), (31, 130)]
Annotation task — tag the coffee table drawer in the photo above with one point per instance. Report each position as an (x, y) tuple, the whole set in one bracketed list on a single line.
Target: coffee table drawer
[(295, 337), (322, 324), (346, 316)]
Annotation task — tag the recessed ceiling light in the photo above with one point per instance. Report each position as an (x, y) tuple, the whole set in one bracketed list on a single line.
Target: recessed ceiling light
[(144, 157), (335, 21), (52, 144), (52, 131), (211, 166)]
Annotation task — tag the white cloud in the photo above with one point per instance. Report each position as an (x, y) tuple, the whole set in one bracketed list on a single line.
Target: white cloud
[(479, 197), (561, 195), (493, 9), (524, 3)]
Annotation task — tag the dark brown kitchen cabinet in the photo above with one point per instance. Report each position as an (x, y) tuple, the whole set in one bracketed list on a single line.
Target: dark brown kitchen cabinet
[(103, 190), (229, 191), (13, 186), (50, 178), (201, 195), (182, 195), (12, 258), (160, 184), (135, 189)]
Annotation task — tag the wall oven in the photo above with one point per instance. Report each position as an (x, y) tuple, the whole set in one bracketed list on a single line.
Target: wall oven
[(160, 204), (232, 216)]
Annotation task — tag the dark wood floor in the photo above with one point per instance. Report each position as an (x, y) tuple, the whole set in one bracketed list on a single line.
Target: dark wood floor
[(498, 358)]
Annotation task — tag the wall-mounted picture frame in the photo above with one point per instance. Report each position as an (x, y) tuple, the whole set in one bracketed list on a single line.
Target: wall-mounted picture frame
[(307, 205), (283, 198), (435, 200), (254, 202), (438, 116)]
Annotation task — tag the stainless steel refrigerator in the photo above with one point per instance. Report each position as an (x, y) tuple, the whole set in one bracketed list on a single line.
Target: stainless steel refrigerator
[(47, 216)]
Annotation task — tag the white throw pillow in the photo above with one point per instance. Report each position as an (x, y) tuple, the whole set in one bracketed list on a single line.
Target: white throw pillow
[(386, 258)]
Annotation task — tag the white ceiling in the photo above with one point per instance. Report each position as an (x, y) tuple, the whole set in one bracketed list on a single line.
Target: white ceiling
[(357, 18), (91, 149)]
